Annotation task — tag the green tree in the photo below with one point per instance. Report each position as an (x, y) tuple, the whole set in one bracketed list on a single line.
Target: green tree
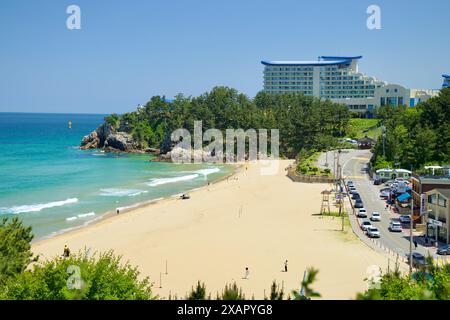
[(113, 120), (199, 293), (232, 292), (308, 291), (15, 248), (276, 292)]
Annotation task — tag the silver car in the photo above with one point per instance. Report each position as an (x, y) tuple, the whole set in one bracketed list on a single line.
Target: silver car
[(365, 225), (375, 216), (395, 226), (373, 232)]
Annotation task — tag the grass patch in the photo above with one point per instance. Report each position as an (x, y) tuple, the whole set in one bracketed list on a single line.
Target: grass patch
[(307, 164), (359, 128)]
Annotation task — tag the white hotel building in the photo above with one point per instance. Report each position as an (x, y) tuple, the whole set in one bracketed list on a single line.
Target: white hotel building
[(338, 79)]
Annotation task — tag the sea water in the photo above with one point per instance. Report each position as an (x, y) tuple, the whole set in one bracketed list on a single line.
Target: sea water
[(53, 186)]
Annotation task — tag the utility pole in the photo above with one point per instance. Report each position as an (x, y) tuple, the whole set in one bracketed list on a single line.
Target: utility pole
[(383, 129), (339, 185), (411, 236)]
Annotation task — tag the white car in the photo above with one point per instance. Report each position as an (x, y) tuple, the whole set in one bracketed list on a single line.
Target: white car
[(373, 232), (365, 225), (375, 216), (395, 226), (362, 213)]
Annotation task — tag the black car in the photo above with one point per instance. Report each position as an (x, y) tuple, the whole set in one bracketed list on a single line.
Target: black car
[(359, 204), (418, 260), (377, 182), (444, 250), (356, 196)]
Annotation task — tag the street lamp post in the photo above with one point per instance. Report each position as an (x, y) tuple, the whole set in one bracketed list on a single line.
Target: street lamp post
[(411, 236)]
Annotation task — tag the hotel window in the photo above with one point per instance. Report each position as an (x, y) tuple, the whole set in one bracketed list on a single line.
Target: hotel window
[(392, 101), (442, 202), (432, 198)]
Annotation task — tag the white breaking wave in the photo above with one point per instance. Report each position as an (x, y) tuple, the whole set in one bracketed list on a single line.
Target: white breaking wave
[(81, 216), (84, 215), (37, 207), (137, 193), (191, 176), (157, 182), (206, 172), (121, 192)]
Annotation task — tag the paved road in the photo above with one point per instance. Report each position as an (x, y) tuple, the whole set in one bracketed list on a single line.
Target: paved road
[(354, 167)]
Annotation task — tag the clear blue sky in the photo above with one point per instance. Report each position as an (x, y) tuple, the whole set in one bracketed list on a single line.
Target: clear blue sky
[(128, 51)]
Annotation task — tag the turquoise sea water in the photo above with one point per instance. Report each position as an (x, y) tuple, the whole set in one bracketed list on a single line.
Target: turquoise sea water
[(54, 186)]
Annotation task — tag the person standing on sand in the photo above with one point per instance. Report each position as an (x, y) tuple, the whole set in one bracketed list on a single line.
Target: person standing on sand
[(66, 252), (247, 273), (285, 266), (117, 211)]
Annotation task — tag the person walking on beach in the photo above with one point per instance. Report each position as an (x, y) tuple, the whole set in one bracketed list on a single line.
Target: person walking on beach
[(247, 273), (285, 266), (66, 252), (117, 211)]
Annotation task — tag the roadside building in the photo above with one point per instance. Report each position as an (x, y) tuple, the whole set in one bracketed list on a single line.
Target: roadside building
[(383, 174), (402, 174), (391, 174), (435, 177), (437, 218)]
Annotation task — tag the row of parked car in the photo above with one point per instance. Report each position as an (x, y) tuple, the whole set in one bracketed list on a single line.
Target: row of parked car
[(370, 230)]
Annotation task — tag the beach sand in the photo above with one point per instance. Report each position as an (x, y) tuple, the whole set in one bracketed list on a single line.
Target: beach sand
[(250, 220)]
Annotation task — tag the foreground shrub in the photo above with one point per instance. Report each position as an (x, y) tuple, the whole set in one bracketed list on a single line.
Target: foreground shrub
[(79, 277)]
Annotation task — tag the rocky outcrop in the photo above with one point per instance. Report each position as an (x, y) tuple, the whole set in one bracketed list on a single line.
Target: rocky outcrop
[(107, 138), (96, 139), (121, 141)]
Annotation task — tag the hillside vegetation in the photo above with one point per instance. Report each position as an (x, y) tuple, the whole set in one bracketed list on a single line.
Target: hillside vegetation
[(359, 128), (415, 136), (304, 122)]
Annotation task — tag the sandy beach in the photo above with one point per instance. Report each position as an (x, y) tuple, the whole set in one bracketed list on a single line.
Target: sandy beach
[(249, 220)]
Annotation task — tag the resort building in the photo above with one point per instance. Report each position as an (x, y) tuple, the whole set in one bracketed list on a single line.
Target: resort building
[(437, 218), (338, 79), (446, 83)]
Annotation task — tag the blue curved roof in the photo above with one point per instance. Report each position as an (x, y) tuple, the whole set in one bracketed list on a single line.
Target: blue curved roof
[(304, 63), (338, 57), (323, 61), (446, 76)]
